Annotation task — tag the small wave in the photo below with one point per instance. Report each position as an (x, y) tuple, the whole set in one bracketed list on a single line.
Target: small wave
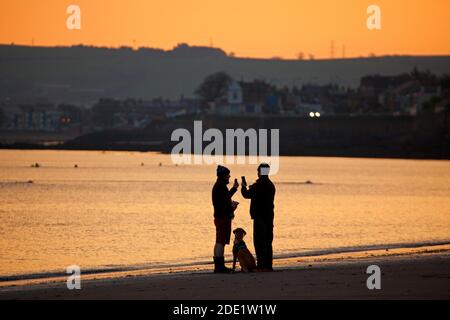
[(339, 250), (307, 182), (8, 183), (99, 271), (48, 275)]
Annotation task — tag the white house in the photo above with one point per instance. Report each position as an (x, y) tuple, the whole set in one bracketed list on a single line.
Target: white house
[(235, 95), (235, 102)]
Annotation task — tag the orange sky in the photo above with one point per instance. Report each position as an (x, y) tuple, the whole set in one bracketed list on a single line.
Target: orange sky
[(249, 28)]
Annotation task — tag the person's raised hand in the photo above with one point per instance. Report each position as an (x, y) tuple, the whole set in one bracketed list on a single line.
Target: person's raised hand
[(244, 182), (236, 183)]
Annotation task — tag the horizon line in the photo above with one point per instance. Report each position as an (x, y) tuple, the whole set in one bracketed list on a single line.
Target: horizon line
[(227, 54)]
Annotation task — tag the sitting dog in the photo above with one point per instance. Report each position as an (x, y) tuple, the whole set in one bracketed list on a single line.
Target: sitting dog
[(241, 252)]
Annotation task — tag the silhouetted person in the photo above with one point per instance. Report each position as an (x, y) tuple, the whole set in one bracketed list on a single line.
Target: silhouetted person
[(262, 195), (223, 214)]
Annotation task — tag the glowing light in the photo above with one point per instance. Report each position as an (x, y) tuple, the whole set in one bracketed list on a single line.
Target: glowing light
[(311, 114), (317, 114)]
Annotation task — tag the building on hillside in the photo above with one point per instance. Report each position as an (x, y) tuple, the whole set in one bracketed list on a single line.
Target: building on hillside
[(41, 117)]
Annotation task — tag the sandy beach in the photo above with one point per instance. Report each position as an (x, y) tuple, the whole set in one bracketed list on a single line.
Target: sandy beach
[(416, 273)]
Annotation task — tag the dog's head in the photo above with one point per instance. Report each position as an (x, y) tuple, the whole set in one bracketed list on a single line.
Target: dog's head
[(239, 233)]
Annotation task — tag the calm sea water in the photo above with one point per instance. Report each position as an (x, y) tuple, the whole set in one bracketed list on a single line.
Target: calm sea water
[(112, 211)]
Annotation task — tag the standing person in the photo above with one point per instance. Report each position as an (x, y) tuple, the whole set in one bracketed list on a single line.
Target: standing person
[(224, 209), (262, 195)]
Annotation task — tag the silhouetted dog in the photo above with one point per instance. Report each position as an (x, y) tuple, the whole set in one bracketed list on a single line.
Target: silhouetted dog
[(241, 252)]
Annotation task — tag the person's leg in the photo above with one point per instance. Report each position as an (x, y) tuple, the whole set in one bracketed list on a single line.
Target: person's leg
[(219, 249), (258, 242), (266, 228), (222, 238), (269, 251), (219, 259), (263, 237)]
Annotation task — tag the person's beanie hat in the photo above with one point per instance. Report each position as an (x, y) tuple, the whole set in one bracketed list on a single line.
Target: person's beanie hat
[(222, 171)]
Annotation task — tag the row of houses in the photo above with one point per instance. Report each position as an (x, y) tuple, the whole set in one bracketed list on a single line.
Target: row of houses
[(409, 94), (259, 97), (406, 94), (105, 114), (38, 117), (136, 113)]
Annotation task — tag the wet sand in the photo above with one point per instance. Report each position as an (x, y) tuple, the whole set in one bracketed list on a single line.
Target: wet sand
[(417, 274)]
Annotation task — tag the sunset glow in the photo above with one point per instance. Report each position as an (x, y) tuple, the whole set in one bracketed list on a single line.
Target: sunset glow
[(251, 28)]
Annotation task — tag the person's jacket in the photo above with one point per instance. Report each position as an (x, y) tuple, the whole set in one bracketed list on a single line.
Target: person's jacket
[(221, 199), (262, 195)]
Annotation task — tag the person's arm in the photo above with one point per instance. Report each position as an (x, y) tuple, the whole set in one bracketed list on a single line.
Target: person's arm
[(232, 191), (234, 188), (248, 193)]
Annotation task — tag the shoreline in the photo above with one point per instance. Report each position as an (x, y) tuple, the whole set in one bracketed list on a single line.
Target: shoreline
[(287, 260), (354, 155), (425, 268), (372, 136)]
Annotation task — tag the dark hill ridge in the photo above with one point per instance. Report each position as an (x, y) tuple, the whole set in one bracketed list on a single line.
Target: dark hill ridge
[(83, 74)]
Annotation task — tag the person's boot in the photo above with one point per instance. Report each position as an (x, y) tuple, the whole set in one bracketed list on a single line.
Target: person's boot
[(264, 266), (219, 265)]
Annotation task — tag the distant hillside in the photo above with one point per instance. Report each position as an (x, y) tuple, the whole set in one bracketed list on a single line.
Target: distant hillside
[(84, 74)]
